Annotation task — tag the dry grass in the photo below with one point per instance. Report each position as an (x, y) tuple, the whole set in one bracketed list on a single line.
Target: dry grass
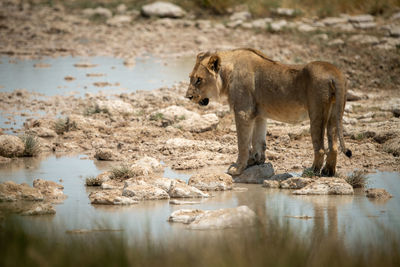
[(32, 145), (357, 179), (121, 172), (63, 125)]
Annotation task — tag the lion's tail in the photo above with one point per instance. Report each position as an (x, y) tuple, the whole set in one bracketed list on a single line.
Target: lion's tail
[(340, 94)]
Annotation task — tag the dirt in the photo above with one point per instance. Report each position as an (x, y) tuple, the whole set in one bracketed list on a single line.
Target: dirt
[(371, 126)]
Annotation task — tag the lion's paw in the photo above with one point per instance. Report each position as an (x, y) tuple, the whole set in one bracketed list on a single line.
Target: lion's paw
[(235, 170)]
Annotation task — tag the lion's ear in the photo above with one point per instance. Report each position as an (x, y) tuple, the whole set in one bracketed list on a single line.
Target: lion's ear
[(214, 63)]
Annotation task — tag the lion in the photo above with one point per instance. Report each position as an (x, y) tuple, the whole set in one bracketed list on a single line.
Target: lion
[(258, 88)]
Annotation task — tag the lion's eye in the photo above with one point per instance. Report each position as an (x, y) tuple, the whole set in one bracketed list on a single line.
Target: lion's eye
[(198, 81)]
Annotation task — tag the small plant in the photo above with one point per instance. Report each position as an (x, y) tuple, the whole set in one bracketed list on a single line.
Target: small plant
[(357, 179), (92, 181), (32, 145), (64, 125), (157, 117), (308, 173), (95, 109), (121, 172)]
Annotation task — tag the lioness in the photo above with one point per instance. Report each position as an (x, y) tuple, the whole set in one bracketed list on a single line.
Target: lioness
[(258, 88)]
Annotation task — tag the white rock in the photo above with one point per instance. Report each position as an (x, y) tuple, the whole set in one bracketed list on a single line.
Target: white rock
[(326, 186), (110, 197), (241, 216), (277, 26), (42, 132), (198, 125), (364, 25), (243, 16), (185, 216), (261, 23), (145, 192), (288, 12), (149, 164), (10, 191), (112, 184), (364, 39), (255, 174), (115, 106), (330, 21), (121, 8), (395, 31), (52, 191), (211, 182), (182, 202), (306, 28), (100, 11), (361, 18), (163, 10), (271, 184), (395, 16), (295, 183), (11, 146), (181, 190), (40, 209), (336, 42)]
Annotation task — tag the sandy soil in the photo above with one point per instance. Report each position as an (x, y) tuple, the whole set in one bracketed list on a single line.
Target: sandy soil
[(372, 131)]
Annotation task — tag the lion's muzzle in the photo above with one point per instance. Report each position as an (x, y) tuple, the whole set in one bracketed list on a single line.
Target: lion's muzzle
[(204, 102)]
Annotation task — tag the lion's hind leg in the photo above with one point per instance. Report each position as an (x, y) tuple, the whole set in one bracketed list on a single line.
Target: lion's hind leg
[(332, 133)]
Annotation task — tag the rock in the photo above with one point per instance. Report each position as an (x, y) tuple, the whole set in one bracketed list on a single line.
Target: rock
[(361, 18), (261, 23), (112, 184), (42, 132), (121, 8), (330, 21), (271, 184), (277, 26), (211, 182), (175, 113), (295, 183), (326, 186), (347, 27), (182, 202), (162, 10), (241, 216), (364, 25), (40, 209), (234, 24), (145, 192), (181, 190), (396, 112), (281, 177), (364, 39), (52, 191), (287, 12), (115, 106), (185, 216), (243, 16), (378, 193), (395, 16), (146, 166), (98, 180), (198, 125), (103, 154), (354, 96), (119, 20), (255, 174), (11, 146), (110, 197), (392, 146), (336, 42), (306, 28), (10, 191), (395, 31)]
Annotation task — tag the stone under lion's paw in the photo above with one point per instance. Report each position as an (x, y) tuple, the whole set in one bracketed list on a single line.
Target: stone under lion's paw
[(235, 170)]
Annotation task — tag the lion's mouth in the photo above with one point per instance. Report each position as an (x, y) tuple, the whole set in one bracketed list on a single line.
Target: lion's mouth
[(204, 102)]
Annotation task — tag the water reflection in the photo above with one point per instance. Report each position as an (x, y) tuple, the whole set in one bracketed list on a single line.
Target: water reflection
[(352, 220)]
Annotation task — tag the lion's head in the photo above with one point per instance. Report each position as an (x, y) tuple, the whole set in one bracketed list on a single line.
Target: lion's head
[(204, 79)]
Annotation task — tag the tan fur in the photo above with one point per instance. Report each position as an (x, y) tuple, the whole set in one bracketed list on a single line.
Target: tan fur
[(258, 88)]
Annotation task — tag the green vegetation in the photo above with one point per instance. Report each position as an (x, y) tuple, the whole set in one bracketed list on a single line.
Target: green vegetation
[(265, 245), (32, 145), (121, 172), (357, 179), (157, 117), (95, 109), (63, 125), (308, 173)]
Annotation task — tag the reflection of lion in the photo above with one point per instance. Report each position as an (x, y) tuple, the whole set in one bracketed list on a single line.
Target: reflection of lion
[(258, 88)]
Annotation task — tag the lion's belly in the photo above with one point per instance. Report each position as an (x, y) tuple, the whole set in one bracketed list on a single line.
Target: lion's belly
[(289, 113)]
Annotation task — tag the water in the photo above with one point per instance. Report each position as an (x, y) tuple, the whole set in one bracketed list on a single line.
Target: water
[(147, 73), (356, 220)]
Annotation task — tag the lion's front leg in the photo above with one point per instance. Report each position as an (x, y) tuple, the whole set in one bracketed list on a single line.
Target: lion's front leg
[(244, 128), (257, 153)]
